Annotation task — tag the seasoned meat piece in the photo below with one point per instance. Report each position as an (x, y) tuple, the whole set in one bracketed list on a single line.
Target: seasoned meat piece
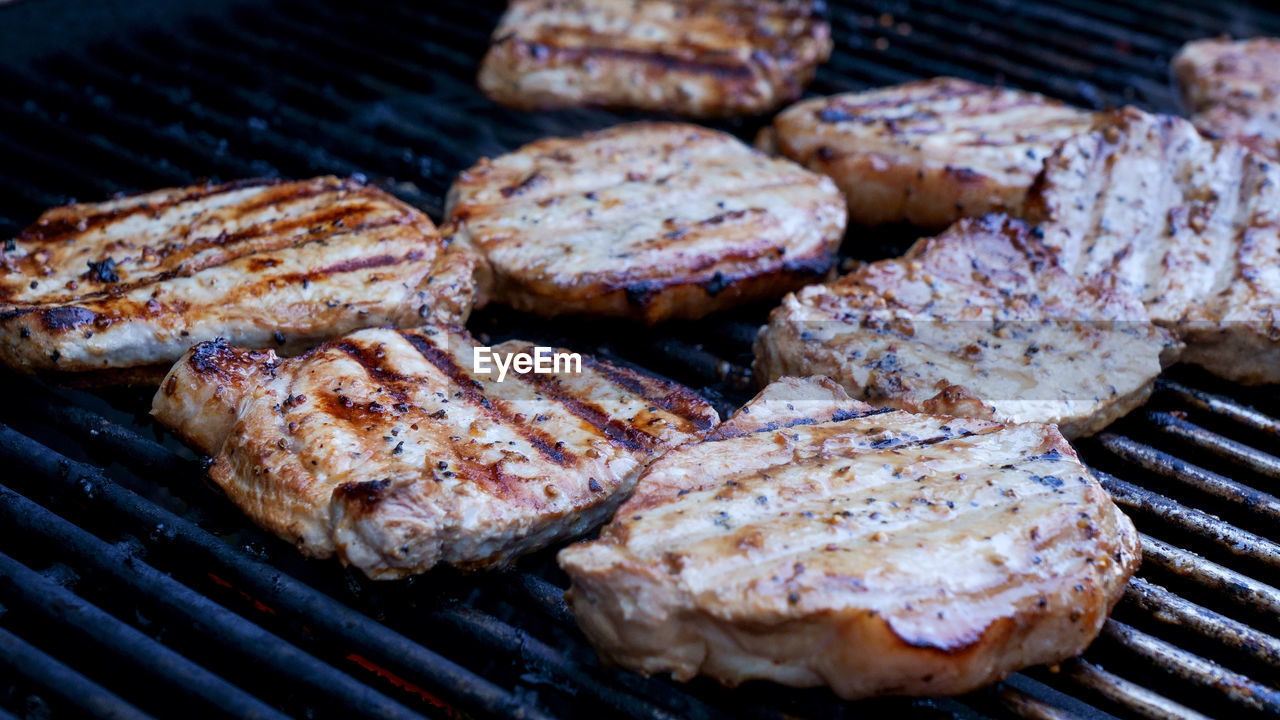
[(1190, 225), (649, 221), (927, 152), (395, 451), (977, 322), (814, 540), (1232, 89), (120, 289), (700, 58)]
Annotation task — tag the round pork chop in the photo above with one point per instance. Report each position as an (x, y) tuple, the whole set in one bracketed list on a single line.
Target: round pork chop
[(927, 152), (649, 221), (814, 540)]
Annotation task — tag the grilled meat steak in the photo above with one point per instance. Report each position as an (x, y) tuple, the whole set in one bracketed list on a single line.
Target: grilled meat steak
[(1189, 225), (814, 540), (392, 450), (648, 220), (121, 288), (698, 58), (1232, 89), (977, 322), (927, 152)]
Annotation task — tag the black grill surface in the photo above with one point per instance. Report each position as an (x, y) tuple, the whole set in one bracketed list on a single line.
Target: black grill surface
[(130, 589)]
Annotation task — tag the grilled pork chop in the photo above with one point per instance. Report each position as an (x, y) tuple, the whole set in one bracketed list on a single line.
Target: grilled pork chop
[(647, 220), (698, 58), (1189, 225), (977, 322), (1232, 89), (927, 152), (125, 286), (814, 540), (392, 450)]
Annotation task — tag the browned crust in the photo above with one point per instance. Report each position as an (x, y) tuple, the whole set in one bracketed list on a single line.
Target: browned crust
[(125, 328), (891, 178), (674, 298), (747, 69), (702, 261)]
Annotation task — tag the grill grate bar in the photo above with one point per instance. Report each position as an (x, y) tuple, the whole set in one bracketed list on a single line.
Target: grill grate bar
[(358, 149), (922, 59), (522, 646), (941, 26), (82, 109), (22, 587), (260, 579), (1220, 580), (1198, 522), (1170, 609), (1192, 668), (28, 119), (1130, 695), (1235, 451), (1220, 405), (279, 149), (118, 565), (1029, 707), (1177, 23), (58, 680), (1245, 497)]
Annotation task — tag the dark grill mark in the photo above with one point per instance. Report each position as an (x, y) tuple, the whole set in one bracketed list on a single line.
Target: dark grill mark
[(49, 230), (61, 319), (189, 269), (618, 432), (679, 401), (104, 271), (660, 60), (497, 411), (533, 180)]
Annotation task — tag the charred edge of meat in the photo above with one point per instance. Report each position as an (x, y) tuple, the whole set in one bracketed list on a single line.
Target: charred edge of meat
[(362, 496), (680, 400), (642, 294), (497, 411), (217, 357)]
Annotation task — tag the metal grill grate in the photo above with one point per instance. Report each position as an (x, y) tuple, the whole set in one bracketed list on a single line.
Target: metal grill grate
[(129, 589)]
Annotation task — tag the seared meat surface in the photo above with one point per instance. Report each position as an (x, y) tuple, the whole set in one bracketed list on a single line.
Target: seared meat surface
[(390, 449), (648, 221), (1232, 89), (977, 322), (1188, 224), (393, 451), (125, 286), (814, 540), (927, 152), (700, 58)]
